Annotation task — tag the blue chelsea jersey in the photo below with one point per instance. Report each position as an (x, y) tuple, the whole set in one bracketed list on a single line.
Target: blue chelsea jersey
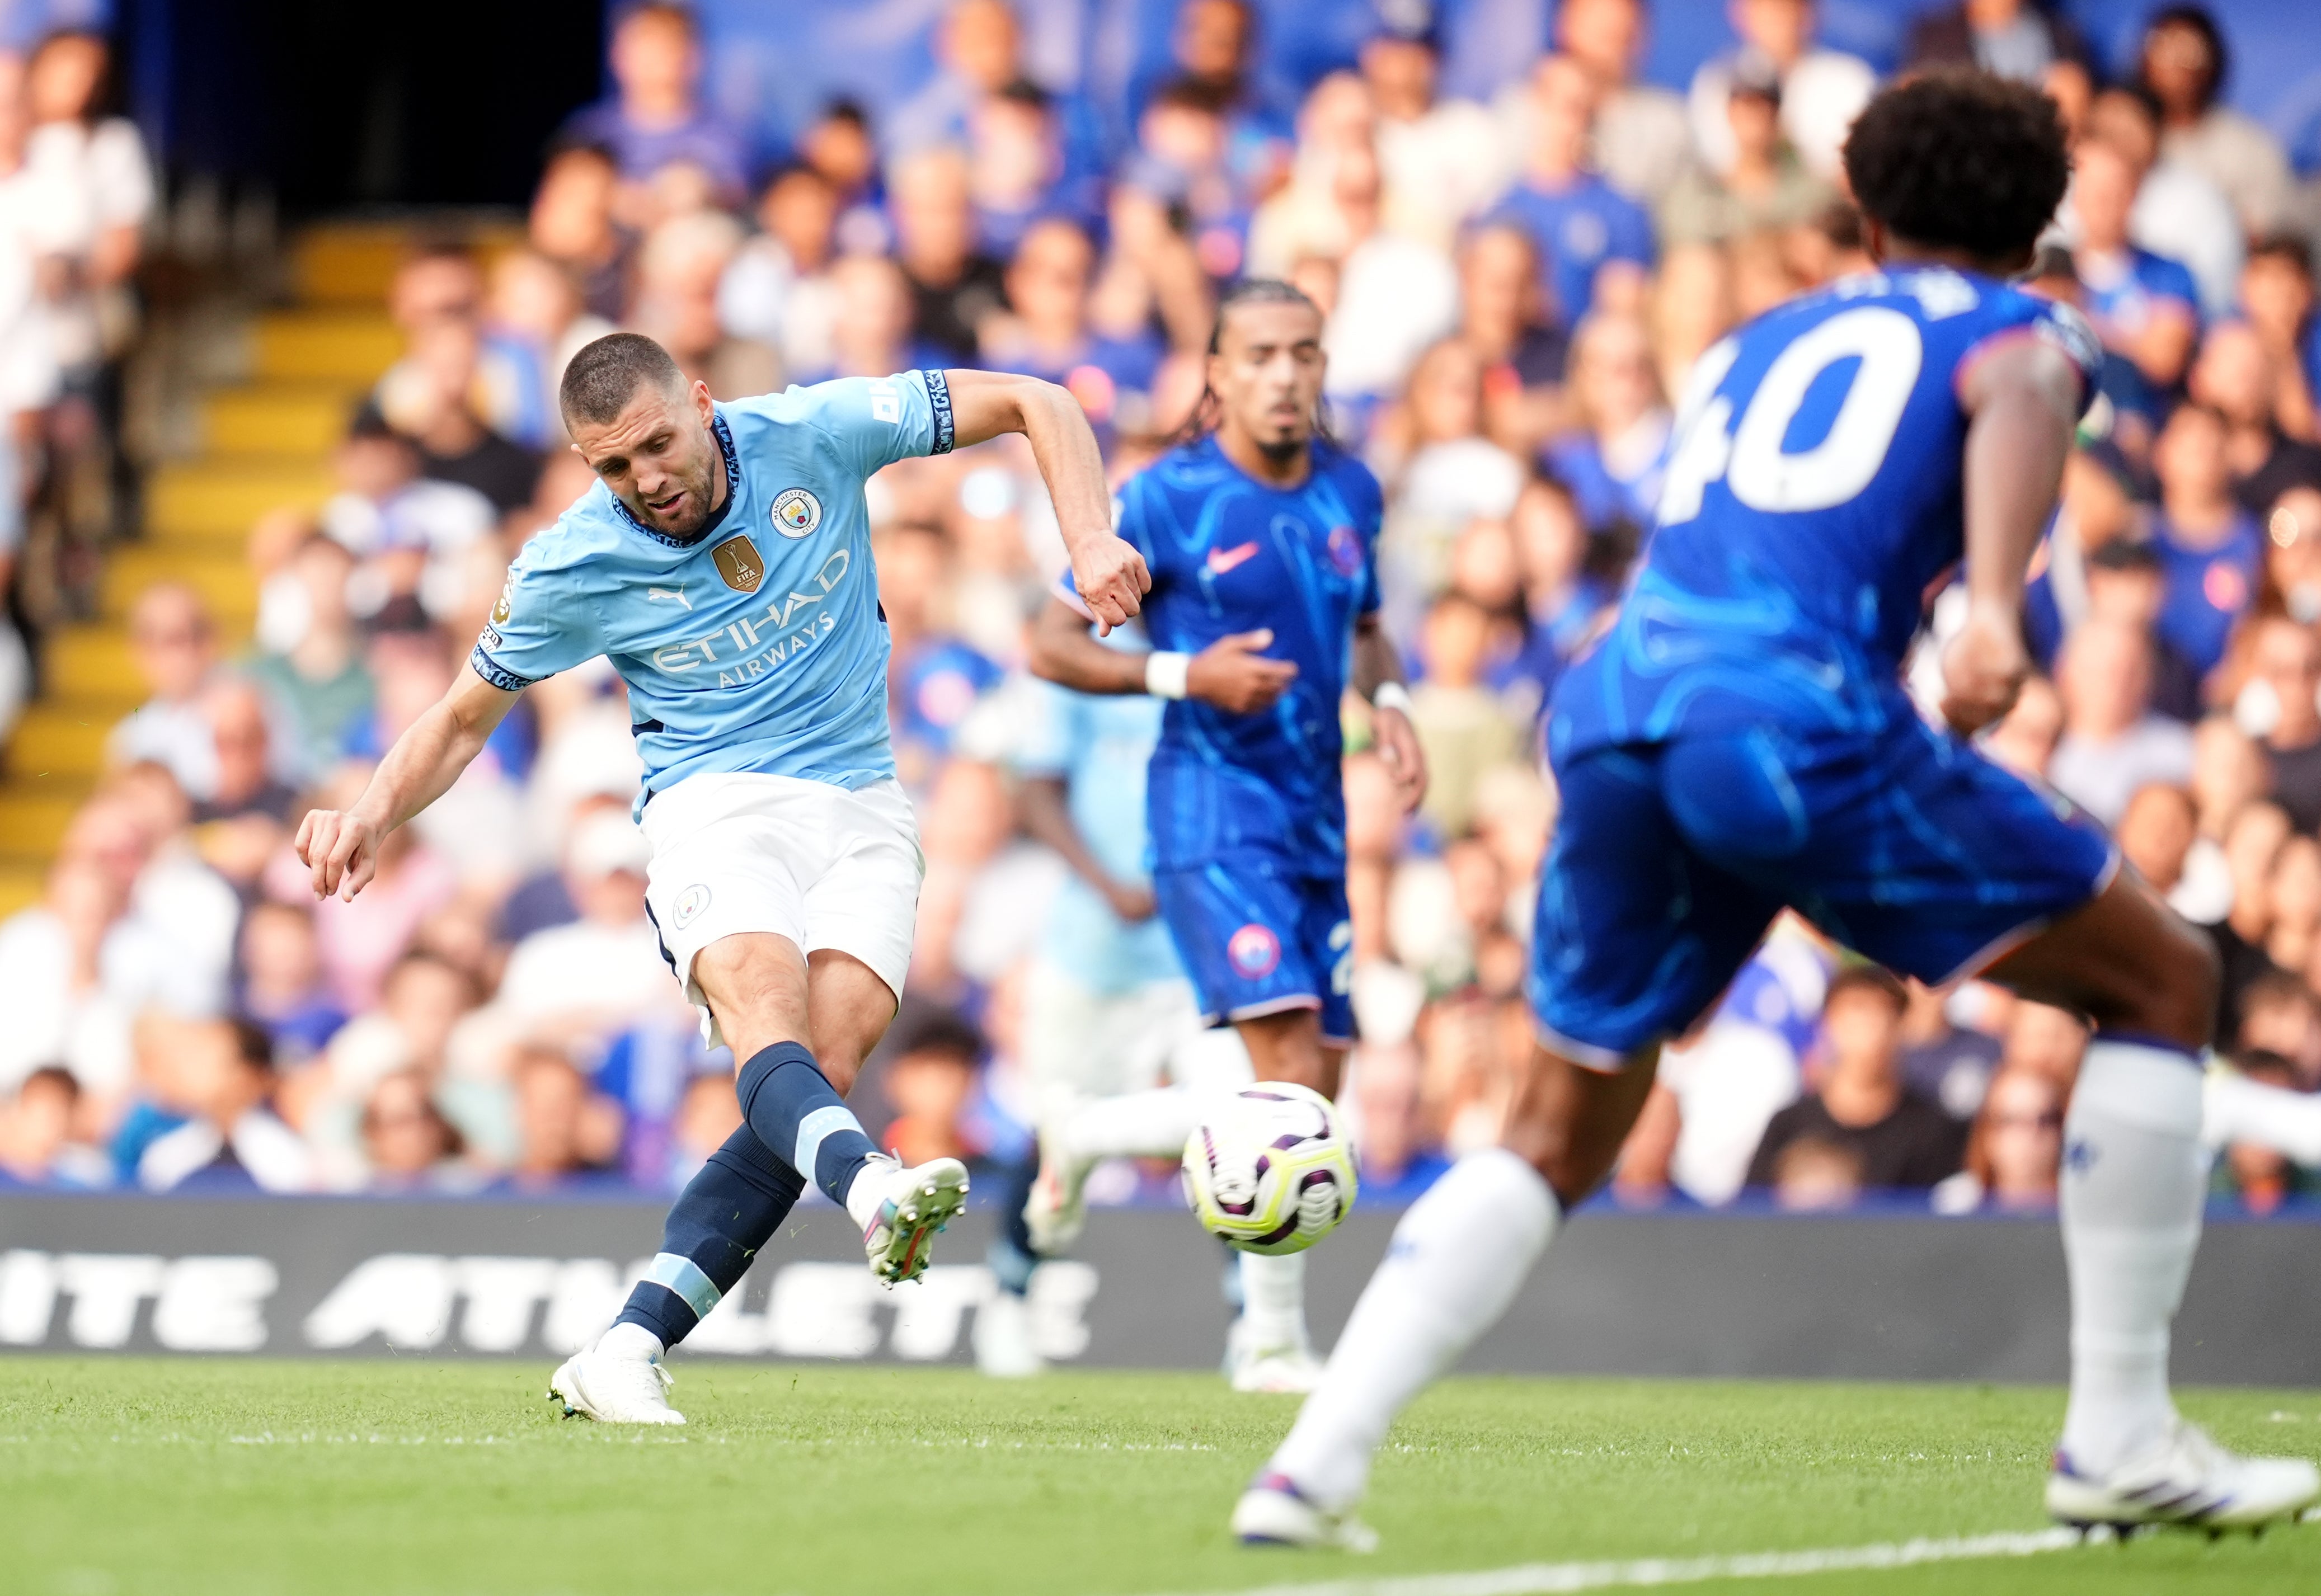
[(1812, 501), (1229, 554), (757, 645)]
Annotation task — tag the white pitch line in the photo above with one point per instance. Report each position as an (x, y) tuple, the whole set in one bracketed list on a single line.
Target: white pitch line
[(1546, 1579)]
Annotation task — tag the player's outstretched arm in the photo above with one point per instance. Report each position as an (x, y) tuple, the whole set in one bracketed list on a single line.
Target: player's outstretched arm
[(340, 845), (2025, 399), (1230, 673), (1378, 677), (1109, 572)]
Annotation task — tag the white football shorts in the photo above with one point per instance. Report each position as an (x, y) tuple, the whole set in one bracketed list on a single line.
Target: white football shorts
[(741, 851), (1079, 1043)]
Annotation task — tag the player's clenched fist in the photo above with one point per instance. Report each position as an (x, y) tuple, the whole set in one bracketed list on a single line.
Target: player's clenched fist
[(1232, 675), (341, 849), (1983, 669), (1111, 579)]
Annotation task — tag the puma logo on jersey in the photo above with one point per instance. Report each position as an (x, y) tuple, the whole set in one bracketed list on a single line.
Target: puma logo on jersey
[(1221, 560), (675, 596)]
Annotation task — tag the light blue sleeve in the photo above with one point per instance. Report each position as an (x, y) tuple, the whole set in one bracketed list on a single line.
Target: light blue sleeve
[(872, 422), (542, 624)]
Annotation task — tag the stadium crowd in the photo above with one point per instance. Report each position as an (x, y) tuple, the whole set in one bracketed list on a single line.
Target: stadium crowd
[(1514, 293)]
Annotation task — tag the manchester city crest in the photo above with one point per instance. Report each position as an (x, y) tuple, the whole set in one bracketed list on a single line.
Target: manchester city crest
[(737, 561), (796, 512)]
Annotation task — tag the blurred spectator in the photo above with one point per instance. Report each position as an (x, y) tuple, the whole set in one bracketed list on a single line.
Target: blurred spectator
[(432, 396), (1691, 307), (2281, 704), (1449, 475), (1459, 723), (281, 986), (308, 655), (1213, 45), (605, 971), (655, 117), (953, 284), (1045, 333), (2233, 376), (1394, 294), (2112, 742), (778, 288), (407, 533), (1822, 90), (74, 970), (680, 270), (2178, 213), (535, 321), (2014, 1154), (2183, 64), (2146, 307), (927, 1081), (1816, 1174), (572, 223), (2293, 553), (1941, 1060), (2276, 295), (232, 1137), (90, 166), (1503, 319), (1727, 1081), (1860, 1101), (175, 644), (1613, 459), (1441, 160), (2260, 1177), (2209, 547), (408, 1142), (40, 1140), (1764, 187), (1582, 226), (2025, 741), (2017, 39), (1641, 140), (2295, 892), (2126, 580), (706, 1114), (566, 1134)]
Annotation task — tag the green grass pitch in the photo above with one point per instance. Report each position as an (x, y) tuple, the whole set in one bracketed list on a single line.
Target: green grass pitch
[(123, 1477)]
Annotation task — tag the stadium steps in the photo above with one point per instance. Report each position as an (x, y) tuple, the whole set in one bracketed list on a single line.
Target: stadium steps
[(266, 442)]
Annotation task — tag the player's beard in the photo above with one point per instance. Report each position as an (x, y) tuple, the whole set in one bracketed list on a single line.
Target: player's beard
[(700, 486)]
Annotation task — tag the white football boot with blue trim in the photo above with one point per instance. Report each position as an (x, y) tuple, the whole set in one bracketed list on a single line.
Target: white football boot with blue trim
[(616, 1386), (901, 1210), (1273, 1512), (2184, 1479)]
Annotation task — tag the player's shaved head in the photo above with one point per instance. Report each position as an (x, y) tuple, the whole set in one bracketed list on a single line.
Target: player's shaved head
[(605, 374), (1959, 161)]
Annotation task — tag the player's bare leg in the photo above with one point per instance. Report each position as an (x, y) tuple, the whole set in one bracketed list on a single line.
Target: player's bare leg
[(1270, 1349), (773, 1005)]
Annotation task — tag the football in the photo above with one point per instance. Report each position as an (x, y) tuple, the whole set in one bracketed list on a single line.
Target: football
[(1270, 1169)]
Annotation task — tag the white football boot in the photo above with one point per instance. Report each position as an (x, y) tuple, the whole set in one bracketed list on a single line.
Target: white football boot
[(2187, 1479), (1290, 1369), (1057, 1209), (905, 1209), (1273, 1512), (619, 1386), (1003, 1349)]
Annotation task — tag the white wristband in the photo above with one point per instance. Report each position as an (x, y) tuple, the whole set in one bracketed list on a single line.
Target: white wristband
[(1391, 696), (1165, 673)]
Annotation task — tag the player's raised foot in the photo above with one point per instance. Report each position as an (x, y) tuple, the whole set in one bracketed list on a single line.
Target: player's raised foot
[(1057, 1208), (912, 1205), (1273, 1512), (2186, 1479), (618, 1384), (1290, 1369)]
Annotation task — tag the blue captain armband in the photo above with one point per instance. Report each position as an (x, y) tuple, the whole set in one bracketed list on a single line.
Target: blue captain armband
[(496, 674), (939, 404)]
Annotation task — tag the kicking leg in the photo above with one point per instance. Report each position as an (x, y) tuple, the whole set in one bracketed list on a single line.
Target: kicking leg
[(2135, 1177), (1270, 1349), (1458, 1258)]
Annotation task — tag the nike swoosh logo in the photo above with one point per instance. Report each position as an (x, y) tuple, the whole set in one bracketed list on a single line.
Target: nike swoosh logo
[(1221, 560)]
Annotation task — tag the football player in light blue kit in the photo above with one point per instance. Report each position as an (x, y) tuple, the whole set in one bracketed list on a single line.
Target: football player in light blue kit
[(1741, 742), (722, 563), (1261, 535)]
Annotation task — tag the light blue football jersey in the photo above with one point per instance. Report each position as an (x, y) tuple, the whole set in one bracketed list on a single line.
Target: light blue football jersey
[(757, 645), (1100, 746)]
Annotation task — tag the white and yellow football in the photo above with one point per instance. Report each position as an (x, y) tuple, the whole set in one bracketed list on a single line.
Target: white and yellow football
[(1270, 1170)]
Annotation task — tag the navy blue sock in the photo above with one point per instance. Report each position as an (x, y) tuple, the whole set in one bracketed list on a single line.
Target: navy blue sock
[(725, 1213), (794, 1111)]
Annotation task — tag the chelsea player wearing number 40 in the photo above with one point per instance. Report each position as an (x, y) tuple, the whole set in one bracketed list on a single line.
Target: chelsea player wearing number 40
[(1740, 743), (1261, 535), (722, 562)]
